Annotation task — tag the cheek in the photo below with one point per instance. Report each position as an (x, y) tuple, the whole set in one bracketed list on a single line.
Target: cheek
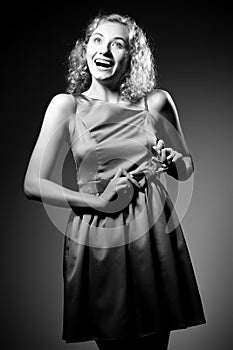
[(89, 56), (90, 51), (123, 61)]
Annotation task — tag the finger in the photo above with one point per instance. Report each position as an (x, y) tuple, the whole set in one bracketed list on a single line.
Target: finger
[(163, 154), (156, 139), (157, 150), (137, 172), (141, 168), (120, 187), (122, 180), (118, 173), (160, 144), (171, 156), (161, 170), (176, 157)]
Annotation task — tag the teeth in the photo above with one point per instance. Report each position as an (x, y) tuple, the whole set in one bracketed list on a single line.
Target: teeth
[(103, 62)]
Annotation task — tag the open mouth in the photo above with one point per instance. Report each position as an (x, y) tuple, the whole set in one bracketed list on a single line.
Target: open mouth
[(103, 64)]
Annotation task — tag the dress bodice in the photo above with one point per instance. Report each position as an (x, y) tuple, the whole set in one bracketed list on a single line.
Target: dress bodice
[(106, 136)]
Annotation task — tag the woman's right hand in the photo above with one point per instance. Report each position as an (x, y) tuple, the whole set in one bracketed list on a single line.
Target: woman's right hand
[(119, 185)]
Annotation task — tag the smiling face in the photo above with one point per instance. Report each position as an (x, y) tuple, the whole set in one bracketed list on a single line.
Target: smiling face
[(107, 52)]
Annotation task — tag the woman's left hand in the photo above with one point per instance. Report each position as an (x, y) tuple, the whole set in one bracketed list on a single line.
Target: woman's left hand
[(166, 155)]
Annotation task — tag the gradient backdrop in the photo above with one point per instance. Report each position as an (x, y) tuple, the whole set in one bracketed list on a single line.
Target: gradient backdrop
[(193, 47)]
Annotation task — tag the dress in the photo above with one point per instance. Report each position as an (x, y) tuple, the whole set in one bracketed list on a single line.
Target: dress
[(124, 273)]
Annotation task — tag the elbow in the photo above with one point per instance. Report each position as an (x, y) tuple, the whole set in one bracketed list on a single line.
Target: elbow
[(30, 188), (188, 168), (182, 170), (27, 189), (189, 172)]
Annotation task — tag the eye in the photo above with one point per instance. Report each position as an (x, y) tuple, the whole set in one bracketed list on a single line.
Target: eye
[(97, 39), (118, 44)]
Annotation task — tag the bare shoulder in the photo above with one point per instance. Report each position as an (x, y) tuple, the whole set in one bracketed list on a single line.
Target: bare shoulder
[(161, 102), (66, 102), (160, 99), (60, 110)]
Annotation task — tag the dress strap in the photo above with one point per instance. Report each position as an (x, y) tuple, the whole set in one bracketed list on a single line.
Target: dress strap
[(146, 104)]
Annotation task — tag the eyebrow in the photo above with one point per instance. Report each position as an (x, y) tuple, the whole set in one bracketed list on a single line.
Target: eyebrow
[(115, 37)]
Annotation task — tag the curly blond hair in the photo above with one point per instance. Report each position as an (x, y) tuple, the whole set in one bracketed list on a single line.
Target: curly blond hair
[(141, 76)]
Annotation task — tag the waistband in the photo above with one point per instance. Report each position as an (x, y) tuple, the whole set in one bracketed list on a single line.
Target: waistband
[(96, 187), (147, 170)]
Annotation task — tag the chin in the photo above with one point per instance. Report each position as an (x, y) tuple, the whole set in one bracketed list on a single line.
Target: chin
[(104, 77), (101, 74)]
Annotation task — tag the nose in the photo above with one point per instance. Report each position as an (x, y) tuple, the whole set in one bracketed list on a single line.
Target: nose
[(105, 48)]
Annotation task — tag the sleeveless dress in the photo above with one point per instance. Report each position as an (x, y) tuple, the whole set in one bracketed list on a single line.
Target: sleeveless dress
[(125, 273)]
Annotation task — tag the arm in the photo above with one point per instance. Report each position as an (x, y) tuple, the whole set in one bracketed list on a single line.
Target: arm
[(54, 132), (170, 131)]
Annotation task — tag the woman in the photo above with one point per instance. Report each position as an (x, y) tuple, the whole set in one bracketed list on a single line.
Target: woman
[(128, 278)]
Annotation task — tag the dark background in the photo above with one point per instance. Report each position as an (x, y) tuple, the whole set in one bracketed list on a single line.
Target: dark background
[(193, 47)]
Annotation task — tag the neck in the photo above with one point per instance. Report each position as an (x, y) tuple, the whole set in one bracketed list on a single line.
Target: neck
[(103, 92)]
